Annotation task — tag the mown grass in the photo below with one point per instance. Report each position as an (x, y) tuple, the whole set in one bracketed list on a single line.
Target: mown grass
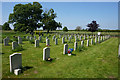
[(95, 61)]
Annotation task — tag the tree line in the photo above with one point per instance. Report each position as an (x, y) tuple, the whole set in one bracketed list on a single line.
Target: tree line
[(29, 17)]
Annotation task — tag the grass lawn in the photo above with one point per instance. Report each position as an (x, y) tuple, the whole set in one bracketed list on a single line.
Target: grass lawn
[(95, 61)]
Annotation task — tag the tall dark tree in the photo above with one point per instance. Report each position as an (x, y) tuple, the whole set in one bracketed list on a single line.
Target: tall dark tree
[(48, 21), (26, 17), (6, 26), (65, 29), (93, 26)]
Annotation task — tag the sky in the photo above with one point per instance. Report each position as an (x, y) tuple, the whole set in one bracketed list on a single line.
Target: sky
[(73, 14)]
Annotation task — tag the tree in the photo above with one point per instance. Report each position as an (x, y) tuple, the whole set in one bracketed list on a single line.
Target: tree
[(48, 21), (78, 28), (93, 26), (65, 29), (6, 26), (26, 17)]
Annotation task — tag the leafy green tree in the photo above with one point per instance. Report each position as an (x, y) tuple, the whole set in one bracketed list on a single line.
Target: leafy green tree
[(6, 26), (48, 21), (93, 26), (26, 17), (78, 28), (65, 29)]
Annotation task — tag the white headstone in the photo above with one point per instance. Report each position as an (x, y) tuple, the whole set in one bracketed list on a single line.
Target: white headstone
[(87, 42), (75, 46), (65, 51), (69, 39), (95, 39), (40, 38), (15, 61), (99, 33), (46, 53), (47, 42), (84, 37), (119, 51), (98, 39), (56, 41), (80, 37), (5, 42), (34, 37), (82, 43), (31, 38), (27, 37), (14, 45), (36, 43), (91, 41), (19, 40)]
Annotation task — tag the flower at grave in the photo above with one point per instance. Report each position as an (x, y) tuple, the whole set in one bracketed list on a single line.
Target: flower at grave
[(69, 52)]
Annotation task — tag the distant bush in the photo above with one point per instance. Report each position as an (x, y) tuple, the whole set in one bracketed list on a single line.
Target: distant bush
[(65, 29)]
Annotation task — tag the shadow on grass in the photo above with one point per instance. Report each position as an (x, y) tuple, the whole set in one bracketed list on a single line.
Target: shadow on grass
[(73, 54), (2, 53), (25, 68)]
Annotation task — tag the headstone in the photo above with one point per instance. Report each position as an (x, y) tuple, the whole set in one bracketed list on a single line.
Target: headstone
[(103, 38), (5, 42), (65, 51), (34, 37), (87, 42), (75, 39), (15, 61), (82, 43), (90, 36), (19, 40), (60, 36), (24, 37), (46, 37), (40, 38), (69, 39), (53, 37), (27, 37), (87, 36), (63, 40), (8, 39), (56, 41), (46, 53), (84, 37), (98, 39), (75, 46), (95, 39), (36, 43), (47, 42), (99, 33), (91, 41), (80, 37), (31, 38), (14, 45), (66, 37)]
